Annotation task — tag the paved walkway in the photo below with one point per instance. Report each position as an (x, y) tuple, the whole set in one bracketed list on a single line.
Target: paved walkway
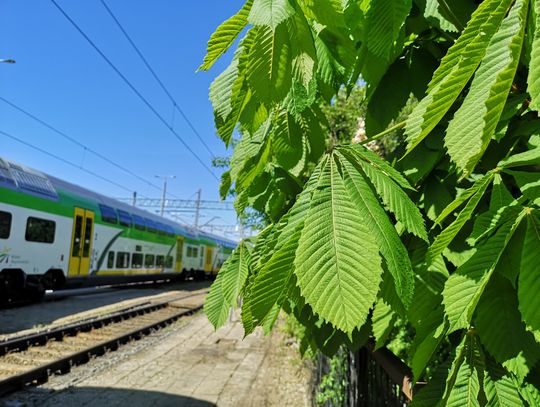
[(196, 366)]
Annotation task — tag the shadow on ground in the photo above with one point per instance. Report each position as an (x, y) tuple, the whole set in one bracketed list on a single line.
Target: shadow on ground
[(99, 397), (43, 313)]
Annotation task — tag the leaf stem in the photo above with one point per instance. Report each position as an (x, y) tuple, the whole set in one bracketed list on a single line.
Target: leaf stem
[(389, 130), (451, 14)]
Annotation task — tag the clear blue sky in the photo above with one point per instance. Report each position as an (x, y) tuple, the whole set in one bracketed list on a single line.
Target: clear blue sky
[(61, 79)]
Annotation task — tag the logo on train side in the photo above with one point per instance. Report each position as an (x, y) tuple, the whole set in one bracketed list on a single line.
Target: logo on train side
[(4, 255)]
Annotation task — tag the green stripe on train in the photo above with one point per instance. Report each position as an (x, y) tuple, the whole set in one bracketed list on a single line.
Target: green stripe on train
[(64, 207)]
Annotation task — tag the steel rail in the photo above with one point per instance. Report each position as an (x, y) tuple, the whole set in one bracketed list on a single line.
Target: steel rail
[(40, 374), (40, 338)]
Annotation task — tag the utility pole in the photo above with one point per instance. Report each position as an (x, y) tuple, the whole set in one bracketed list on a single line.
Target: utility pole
[(134, 203), (163, 196), (197, 208)]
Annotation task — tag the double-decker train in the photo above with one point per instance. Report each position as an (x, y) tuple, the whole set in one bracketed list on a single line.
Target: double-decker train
[(55, 234)]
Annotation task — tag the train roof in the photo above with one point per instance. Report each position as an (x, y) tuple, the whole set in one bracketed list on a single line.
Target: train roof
[(219, 239), (30, 181)]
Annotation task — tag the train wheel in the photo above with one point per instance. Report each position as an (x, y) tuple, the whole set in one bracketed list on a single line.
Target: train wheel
[(53, 279), (4, 291), (11, 287)]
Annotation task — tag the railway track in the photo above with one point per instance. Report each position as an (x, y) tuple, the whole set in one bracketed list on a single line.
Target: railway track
[(31, 359)]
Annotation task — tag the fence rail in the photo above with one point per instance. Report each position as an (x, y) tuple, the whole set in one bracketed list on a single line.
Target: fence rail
[(371, 378)]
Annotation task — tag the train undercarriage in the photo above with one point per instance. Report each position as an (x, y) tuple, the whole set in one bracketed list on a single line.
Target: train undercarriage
[(17, 286)]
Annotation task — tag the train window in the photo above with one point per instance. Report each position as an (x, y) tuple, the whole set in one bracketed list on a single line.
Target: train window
[(108, 214), (76, 248), (169, 230), (160, 228), (110, 260), (122, 260), (160, 261), (136, 260), (87, 237), (149, 260), (40, 230), (195, 252), (5, 224), (169, 262), (125, 218), (188, 251), (138, 222), (150, 225)]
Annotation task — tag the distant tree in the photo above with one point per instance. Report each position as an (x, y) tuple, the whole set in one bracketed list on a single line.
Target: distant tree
[(343, 113)]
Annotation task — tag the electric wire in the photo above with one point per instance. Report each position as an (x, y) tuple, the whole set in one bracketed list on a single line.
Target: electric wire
[(178, 217), (156, 77), (11, 136), (85, 147), (73, 140), (134, 89), (41, 150)]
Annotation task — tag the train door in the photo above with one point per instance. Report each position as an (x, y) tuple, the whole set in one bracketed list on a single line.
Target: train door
[(215, 263), (208, 262), (179, 251), (81, 242)]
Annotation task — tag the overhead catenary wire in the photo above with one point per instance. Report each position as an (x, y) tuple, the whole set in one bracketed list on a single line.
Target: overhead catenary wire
[(75, 141), (79, 167), (57, 157), (134, 89), (184, 221), (158, 80), (85, 147)]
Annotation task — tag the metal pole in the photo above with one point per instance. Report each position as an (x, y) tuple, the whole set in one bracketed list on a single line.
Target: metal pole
[(134, 203), (163, 196), (197, 208)]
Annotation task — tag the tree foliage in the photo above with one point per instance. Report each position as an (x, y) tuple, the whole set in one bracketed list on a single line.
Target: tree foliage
[(446, 237)]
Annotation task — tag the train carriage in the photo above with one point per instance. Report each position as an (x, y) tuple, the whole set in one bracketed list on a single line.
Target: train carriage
[(55, 234)]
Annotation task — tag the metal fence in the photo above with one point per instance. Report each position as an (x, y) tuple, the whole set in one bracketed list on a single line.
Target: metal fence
[(366, 378)]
